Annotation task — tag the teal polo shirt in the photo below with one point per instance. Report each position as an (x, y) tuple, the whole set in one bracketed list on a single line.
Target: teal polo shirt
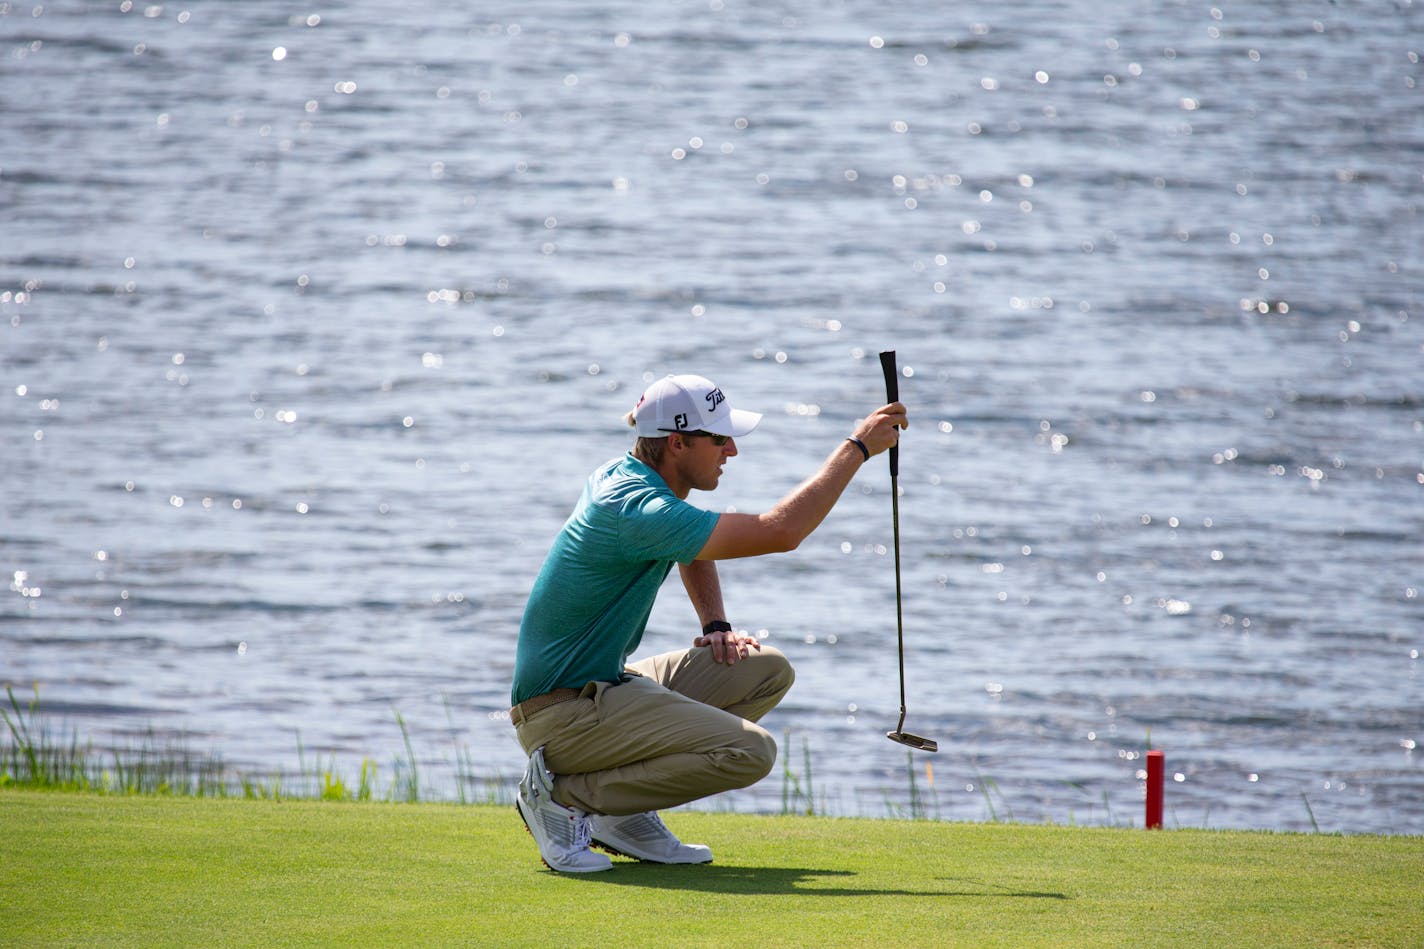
[(591, 601)]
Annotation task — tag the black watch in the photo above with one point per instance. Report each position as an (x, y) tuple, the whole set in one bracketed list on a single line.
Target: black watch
[(717, 626)]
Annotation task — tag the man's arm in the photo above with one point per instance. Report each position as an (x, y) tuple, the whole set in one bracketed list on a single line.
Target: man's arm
[(704, 589), (799, 513)]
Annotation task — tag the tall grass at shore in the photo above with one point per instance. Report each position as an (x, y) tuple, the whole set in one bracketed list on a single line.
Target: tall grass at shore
[(34, 758), (798, 793), (34, 755)]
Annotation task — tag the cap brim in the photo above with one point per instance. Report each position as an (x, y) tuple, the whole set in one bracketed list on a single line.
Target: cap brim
[(739, 422)]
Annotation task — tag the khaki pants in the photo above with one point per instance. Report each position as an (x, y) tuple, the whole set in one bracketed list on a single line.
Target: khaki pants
[(680, 728)]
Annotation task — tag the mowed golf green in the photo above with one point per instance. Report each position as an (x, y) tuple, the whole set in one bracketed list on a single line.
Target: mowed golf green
[(83, 869)]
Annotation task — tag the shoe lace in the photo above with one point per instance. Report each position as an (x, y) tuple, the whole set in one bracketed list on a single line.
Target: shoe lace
[(583, 833)]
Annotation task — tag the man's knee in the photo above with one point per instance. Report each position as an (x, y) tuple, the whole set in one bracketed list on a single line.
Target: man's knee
[(753, 756), (774, 677), (780, 672)]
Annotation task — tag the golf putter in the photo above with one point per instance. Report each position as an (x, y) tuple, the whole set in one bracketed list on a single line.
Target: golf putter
[(892, 394)]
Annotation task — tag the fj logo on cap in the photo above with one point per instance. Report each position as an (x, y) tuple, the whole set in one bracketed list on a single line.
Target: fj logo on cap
[(680, 420)]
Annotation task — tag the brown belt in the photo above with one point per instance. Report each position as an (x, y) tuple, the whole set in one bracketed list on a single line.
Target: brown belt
[(538, 703)]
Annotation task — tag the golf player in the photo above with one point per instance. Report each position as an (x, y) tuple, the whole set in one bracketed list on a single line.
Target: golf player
[(610, 742)]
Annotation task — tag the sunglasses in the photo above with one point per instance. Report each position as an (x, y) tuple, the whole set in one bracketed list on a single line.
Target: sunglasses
[(718, 440)]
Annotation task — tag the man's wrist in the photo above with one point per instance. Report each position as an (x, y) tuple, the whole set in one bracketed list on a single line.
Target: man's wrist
[(716, 626)]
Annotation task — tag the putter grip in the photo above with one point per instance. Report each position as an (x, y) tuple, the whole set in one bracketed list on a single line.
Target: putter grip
[(892, 394)]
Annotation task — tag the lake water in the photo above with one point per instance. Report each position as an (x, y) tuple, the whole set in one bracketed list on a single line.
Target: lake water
[(313, 319)]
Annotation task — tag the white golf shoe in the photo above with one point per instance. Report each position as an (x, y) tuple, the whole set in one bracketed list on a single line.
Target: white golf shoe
[(645, 837), (562, 833)]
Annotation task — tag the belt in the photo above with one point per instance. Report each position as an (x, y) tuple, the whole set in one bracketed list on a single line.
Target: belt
[(538, 703)]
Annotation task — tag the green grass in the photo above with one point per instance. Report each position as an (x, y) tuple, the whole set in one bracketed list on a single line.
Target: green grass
[(85, 869)]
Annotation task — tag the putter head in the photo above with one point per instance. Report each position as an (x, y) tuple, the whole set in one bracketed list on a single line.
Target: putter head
[(913, 741)]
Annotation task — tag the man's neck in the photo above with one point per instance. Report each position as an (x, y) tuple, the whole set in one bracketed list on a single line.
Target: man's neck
[(675, 484)]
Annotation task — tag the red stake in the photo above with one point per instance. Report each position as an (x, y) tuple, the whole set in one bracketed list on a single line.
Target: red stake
[(1156, 766)]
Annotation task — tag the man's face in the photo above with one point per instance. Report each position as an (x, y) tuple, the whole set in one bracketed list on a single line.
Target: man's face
[(701, 464)]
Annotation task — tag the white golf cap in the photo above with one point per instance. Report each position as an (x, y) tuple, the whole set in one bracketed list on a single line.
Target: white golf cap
[(689, 404)]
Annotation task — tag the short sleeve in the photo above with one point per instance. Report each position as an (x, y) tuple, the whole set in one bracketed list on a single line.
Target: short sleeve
[(658, 526)]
